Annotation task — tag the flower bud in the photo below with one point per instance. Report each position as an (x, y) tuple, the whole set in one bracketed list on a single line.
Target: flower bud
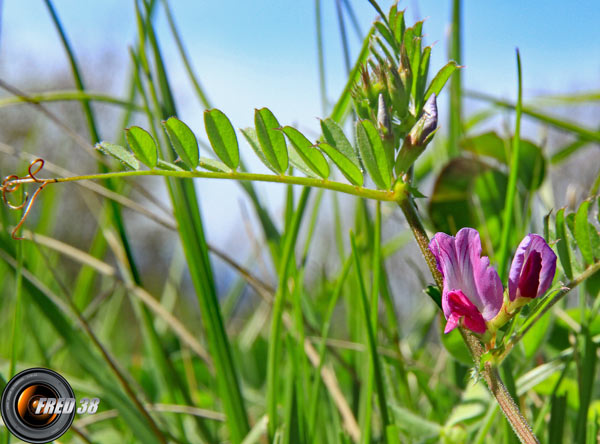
[(532, 270), (383, 117), (426, 125), (419, 136)]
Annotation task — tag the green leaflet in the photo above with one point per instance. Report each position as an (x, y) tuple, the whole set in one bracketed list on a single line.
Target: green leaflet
[(335, 137), (386, 34), (222, 137), (120, 153), (422, 78), (183, 141), (347, 167), (272, 141), (311, 156), (213, 165), (250, 136), (440, 79), (397, 24), (168, 166), (373, 154), (143, 145)]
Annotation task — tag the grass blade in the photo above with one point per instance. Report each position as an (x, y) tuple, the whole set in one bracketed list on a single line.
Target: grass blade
[(372, 346), (586, 369), (564, 251), (583, 133), (273, 375), (187, 214), (455, 111), (511, 191), (184, 57), (343, 103), (582, 232)]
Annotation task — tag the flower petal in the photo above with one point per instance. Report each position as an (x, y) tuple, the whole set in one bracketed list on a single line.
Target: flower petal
[(529, 282), (461, 307), (517, 265), (460, 262), (531, 243)]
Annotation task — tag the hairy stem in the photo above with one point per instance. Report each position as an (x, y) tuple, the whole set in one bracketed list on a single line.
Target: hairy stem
[(488, 372)]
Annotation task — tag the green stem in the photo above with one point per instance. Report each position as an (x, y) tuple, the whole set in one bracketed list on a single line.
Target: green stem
[(488, 372), (275, 343), (584, 133), (455, 115), (388, 196), (507, 225)]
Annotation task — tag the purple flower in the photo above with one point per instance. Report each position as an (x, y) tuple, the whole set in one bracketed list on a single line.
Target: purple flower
[(532, 268), (472, 289)]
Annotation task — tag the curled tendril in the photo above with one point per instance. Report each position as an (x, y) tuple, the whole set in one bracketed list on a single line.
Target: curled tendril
[(9, 185), (13, 182), (32, 174)]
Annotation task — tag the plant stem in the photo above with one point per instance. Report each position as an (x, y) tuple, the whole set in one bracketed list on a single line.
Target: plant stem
[(507, 221), (489, 373), (388, 196)]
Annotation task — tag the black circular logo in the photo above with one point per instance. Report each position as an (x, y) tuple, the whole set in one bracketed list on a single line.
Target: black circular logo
[(38, 405)]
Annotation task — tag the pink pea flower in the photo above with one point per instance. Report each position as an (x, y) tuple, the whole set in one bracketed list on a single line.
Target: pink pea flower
[(532, 268), (472, 288)]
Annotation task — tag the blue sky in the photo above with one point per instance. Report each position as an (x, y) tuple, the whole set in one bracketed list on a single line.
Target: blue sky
[(263, 52), (257, 53)]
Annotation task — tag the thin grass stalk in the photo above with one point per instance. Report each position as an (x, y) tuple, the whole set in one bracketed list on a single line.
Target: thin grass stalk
[(67, 96), (343, 103), (54, 309), (164, 368), (455, 105), (564, 125), (85, 104), (152, 339), (377, 375), (202, 96), (15, 340), (300, 360), (374, 310), (353, 19), (321, 57), (511, 191), (187, 214), (343, 36), (337, 291), (275, 338)]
